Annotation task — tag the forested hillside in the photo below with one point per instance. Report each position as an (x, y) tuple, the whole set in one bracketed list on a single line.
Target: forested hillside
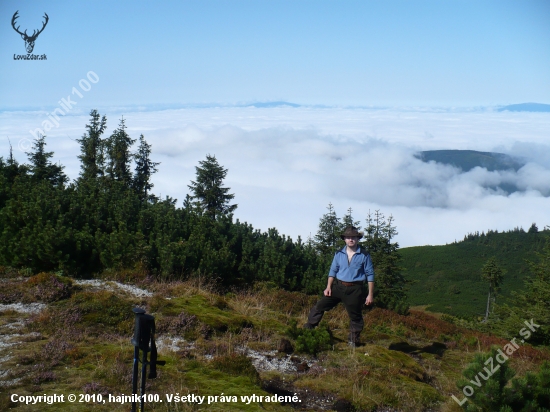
[(109, 220), (448, 278)]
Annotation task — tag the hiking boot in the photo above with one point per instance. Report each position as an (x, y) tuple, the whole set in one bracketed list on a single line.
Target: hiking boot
[(308, 326), (353, 339)]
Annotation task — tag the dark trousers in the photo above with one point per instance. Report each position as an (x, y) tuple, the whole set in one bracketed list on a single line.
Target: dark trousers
[(353, 298)]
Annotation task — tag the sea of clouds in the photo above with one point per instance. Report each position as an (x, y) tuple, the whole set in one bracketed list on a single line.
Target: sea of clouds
[(285, 165)]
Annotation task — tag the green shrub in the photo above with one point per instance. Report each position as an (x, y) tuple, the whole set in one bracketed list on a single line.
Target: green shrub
[(471, 341), (397, 305), (530, 392), (496, 393), (310, 341), (313, 341), (293, 330), (448, 318), (490, 395)]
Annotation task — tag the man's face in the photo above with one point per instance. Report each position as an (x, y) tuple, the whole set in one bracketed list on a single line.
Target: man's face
[(351, 241)]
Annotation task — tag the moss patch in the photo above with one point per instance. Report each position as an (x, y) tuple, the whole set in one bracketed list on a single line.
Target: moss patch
[(219, 319)]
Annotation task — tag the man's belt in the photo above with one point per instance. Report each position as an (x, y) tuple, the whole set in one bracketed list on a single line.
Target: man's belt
[(349, 283)]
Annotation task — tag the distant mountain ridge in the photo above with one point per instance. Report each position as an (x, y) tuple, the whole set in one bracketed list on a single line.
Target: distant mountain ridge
[(272, 104), (468, 159), (526, 107)]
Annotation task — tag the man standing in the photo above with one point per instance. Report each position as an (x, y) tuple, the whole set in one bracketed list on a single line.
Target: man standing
[(350, 269)]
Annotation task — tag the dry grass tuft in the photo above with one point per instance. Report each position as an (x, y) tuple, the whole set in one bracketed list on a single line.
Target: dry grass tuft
[(44, 287)]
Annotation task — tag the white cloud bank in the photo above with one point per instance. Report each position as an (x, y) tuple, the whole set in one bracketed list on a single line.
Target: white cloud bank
[(286, 164)]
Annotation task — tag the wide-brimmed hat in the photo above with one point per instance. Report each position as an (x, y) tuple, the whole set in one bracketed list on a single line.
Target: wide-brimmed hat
[(351, 231)]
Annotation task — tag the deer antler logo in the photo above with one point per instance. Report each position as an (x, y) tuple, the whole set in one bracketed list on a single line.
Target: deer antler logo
[(29, 40)]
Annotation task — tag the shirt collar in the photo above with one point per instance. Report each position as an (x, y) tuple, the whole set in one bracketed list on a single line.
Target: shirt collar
[(343, 250)]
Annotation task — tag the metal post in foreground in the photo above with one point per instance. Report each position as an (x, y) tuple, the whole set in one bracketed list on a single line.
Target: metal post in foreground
[(144, 335)]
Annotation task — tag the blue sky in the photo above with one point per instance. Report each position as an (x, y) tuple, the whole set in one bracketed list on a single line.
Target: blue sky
[(310, 52), (378, 81)]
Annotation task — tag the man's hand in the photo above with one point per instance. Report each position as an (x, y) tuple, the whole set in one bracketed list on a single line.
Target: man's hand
[(370, 297), (328, 290), (369, 300)]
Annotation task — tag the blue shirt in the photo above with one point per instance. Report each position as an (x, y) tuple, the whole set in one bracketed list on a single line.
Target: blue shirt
[(359, 269)]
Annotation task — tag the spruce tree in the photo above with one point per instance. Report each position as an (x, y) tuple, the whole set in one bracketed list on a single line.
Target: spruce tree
[(391, 284), (92, 148), (144, 169), (11, 168), (327, 240), (119, 156), (41, 167), (494, 275), (188, 204), (208, 190), (347, 220)]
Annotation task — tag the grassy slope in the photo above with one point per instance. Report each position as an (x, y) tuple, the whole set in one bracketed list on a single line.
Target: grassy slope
[(80, 344), (448, 278)]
